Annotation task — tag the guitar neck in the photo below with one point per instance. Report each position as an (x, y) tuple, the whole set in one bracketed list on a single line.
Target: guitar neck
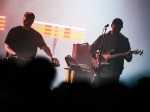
[(117, 55)]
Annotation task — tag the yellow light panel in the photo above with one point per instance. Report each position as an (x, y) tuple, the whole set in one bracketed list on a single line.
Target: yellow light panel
[(3, 17), (2, 21), (1, 28), (2, 25), (59, 31)]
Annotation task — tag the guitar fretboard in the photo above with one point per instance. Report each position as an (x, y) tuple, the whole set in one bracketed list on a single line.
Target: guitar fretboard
[(117, 55)]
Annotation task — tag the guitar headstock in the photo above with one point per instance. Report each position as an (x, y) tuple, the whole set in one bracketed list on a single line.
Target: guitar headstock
[(138, 51)]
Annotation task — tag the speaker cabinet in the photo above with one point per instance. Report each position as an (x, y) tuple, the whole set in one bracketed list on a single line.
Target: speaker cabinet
[(81, 53)]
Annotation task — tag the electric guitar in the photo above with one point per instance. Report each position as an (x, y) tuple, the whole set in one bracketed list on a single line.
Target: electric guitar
[(106, 56)]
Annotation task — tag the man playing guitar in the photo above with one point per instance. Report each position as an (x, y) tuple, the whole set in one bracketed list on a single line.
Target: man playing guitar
[(107, 69)]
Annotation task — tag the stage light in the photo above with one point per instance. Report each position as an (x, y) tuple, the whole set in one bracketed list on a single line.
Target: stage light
[(3, 17), (2, 22), (59, 31)]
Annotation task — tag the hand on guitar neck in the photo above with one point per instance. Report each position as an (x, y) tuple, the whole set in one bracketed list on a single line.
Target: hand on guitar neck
[(129, 54)]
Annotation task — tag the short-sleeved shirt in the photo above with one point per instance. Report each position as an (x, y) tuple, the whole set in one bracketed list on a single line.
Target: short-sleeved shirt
[(24, 42)]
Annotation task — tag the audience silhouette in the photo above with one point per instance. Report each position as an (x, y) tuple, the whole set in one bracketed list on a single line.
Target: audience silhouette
[(28, 89)]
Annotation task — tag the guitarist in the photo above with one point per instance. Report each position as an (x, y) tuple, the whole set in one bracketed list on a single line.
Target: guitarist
[(114, 42)]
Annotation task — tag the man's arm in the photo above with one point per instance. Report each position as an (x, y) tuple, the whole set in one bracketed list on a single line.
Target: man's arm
[(48, 51), (128, 56), (9, 50)]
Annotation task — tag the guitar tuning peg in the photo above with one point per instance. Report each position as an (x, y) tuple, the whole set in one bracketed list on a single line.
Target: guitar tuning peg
[(141, 52)]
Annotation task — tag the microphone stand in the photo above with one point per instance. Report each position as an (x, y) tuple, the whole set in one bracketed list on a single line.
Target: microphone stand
[(100, 49), (102, 43)]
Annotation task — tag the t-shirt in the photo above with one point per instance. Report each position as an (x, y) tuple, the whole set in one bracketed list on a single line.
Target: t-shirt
[(24, 42)]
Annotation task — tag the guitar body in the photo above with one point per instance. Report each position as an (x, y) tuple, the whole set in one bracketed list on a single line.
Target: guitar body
[(98, 62)]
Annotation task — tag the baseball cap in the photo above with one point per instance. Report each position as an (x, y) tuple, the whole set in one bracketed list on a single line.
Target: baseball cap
[(118, 22)]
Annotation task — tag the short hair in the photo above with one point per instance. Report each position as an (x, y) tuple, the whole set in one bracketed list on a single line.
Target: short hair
[(29, 14), (118, 21)]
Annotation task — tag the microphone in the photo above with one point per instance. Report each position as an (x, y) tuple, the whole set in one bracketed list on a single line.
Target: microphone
[(106, 25)]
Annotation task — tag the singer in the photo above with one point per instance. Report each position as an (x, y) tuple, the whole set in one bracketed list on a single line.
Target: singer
[(114, 42)]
